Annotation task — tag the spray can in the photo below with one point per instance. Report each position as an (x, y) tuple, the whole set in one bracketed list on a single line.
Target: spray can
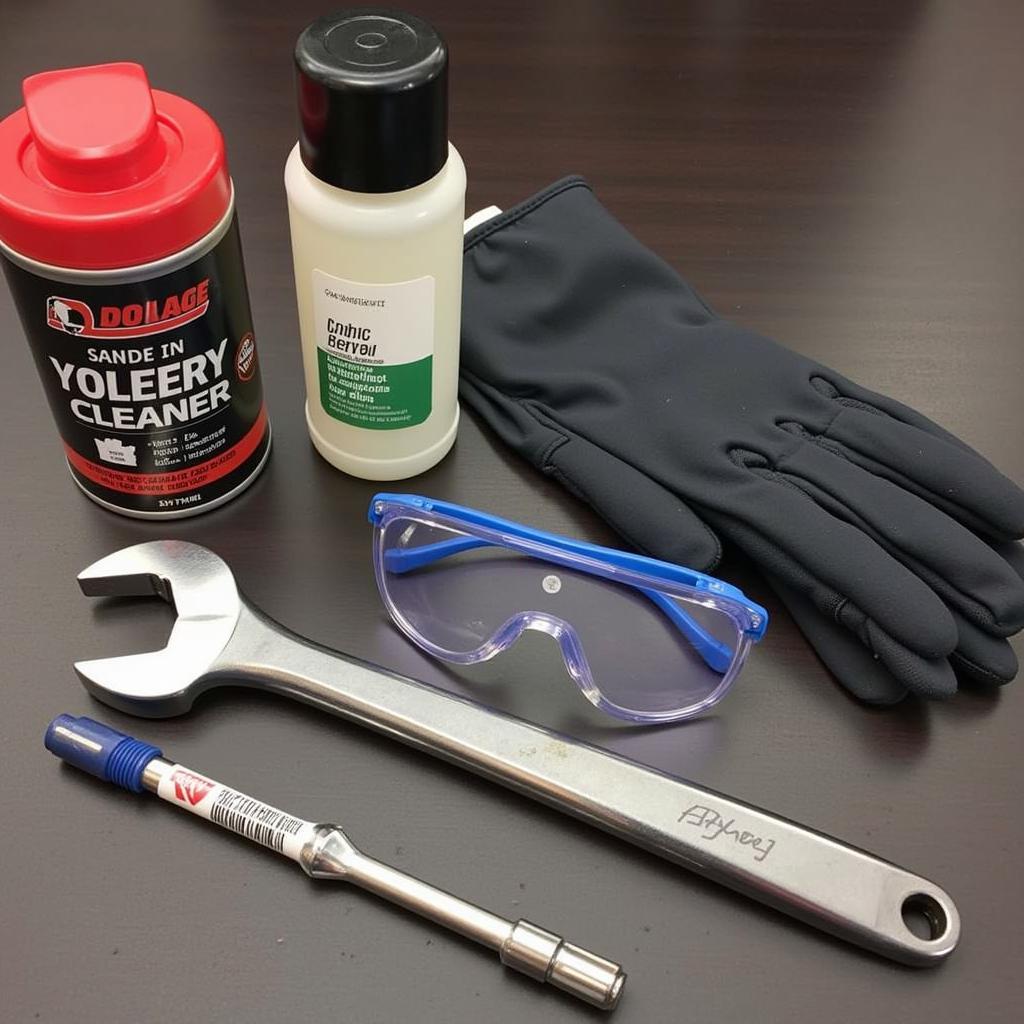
[(119, 241)]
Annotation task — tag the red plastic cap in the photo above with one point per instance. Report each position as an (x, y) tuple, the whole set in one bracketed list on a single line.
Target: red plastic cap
[(98, 171), (94, 130)]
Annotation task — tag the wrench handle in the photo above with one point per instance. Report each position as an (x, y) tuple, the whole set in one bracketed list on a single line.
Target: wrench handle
[(835, 887)]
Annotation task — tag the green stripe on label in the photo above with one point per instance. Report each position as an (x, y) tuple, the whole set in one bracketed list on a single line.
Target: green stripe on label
[(375, 397)]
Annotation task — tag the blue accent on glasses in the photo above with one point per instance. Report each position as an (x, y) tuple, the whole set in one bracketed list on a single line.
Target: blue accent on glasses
[(402, 561)]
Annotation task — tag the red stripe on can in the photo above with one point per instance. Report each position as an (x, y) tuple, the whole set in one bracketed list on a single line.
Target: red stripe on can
[(180, 480)]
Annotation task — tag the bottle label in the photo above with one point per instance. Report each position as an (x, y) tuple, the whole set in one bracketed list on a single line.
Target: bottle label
[(375, 350)]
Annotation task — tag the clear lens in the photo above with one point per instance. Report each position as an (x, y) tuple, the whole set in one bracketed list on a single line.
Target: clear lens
[(462, 598), (442, 583), (650, 654)]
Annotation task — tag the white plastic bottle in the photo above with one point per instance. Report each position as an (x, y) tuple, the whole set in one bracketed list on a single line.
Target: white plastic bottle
[(376, 200)]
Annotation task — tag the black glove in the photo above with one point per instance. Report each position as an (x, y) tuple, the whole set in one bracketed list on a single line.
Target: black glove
[(590, 356)]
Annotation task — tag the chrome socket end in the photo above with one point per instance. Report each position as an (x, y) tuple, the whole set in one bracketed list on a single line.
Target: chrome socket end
[(545, 956)]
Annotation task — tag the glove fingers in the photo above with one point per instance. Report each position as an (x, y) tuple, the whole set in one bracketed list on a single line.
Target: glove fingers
[(963, 569), (982, 657), (927, 677), (863, 396), (853, 665), (947, 475), (979, 657), (1012, 553), (877, 669), (783, 530)]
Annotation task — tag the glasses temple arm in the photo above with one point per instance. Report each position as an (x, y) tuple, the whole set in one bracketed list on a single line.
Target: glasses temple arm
[(403, 560), (717, 655)]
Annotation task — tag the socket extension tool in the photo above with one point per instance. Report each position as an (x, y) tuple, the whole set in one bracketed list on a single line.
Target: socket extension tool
[(220, 639), (324, 851)]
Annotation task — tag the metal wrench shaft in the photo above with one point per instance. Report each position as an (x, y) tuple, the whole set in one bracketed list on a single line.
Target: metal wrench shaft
[(324, 851), (220, 639)]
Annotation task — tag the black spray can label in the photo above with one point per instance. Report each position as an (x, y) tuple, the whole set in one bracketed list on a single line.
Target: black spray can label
[(154, 381)]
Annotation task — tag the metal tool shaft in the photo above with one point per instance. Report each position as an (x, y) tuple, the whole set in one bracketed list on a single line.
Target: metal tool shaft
[(220, 639), (324, 851)]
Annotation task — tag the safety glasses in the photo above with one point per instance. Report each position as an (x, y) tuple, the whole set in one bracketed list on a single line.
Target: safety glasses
[(644, 640)]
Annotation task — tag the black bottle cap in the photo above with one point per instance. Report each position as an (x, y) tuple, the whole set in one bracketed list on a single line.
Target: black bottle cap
[(373, 100)]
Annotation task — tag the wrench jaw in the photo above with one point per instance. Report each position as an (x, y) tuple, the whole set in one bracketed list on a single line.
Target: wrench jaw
[(132, 585), (164, 706), (192, 578), (148, 685), (201, 587)]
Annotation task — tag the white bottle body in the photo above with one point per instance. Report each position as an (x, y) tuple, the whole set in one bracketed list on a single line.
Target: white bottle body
[(410, 242)]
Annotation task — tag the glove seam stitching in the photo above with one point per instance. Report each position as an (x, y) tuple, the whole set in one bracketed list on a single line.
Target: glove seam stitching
[(562, 436)]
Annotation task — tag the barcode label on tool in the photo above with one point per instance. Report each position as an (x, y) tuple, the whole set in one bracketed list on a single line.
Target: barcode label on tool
[(235, 811)]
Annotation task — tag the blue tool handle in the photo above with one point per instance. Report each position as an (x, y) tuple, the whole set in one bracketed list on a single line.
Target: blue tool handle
[(101, 751)]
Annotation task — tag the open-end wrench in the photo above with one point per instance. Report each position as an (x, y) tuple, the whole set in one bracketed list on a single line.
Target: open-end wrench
[(220, 639)]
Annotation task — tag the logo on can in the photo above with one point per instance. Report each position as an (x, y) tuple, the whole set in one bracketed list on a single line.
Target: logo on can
[(133, 320)]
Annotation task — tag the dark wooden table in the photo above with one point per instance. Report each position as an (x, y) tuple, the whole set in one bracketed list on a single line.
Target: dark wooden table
[(846, 177)]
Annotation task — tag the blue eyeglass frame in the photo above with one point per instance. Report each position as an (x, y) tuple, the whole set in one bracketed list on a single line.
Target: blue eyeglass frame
[(659, 581)]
